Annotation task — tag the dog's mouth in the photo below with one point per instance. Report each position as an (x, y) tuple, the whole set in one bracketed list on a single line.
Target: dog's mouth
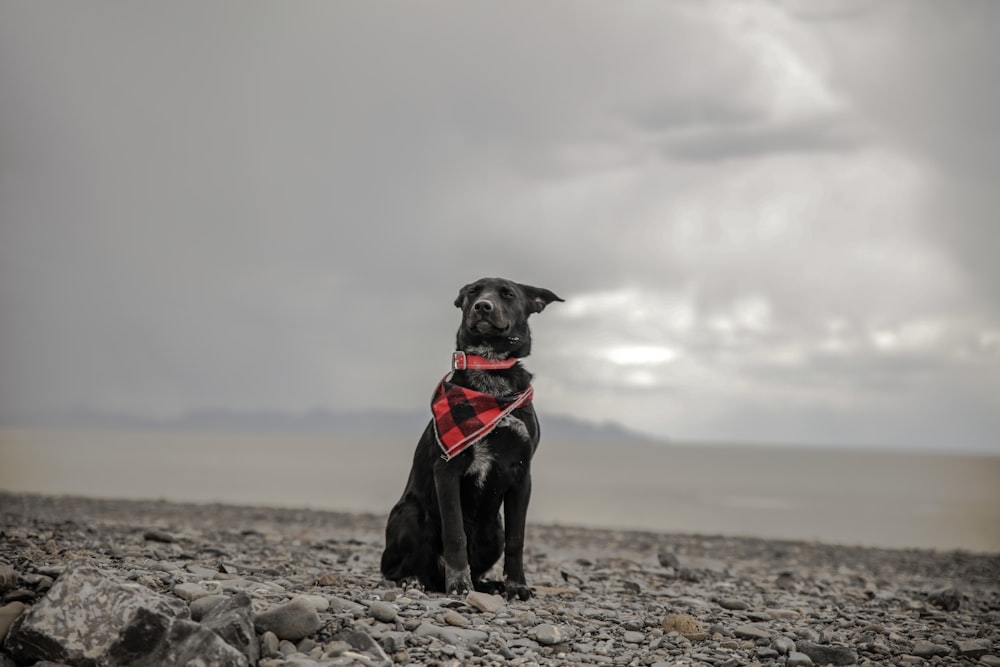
[(485, 327)]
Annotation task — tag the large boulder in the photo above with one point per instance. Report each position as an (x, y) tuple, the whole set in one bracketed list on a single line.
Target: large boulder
[(83, 615), (92, 618)]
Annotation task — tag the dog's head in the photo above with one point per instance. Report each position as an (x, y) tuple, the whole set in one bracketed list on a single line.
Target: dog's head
[(495, 315)]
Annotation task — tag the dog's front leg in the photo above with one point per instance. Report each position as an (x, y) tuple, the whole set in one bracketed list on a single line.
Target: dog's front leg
[(515, 511), (457, 578)]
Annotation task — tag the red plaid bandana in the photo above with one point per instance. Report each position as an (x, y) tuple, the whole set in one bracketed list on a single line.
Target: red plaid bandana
[(462, 415)]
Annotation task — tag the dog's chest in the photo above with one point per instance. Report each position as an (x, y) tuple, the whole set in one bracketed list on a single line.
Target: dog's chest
[(485, 452)]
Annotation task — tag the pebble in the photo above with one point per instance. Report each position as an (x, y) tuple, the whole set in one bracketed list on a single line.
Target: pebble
[(8, 613), (751, 632), (633, 637), (449, 635), (382, 611), (548, 634), (484, 602), (318, 602), (683, 624), (733, 604), (293, 620), (949, 599), (796, 659), (452, 617), (973, 648), (925, 649), (783, 645), (824, 654), (269, 644), (8, 577), (190, 591), (201, 606)]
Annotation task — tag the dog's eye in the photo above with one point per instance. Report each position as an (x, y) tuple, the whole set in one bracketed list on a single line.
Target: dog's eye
[(507, 294)]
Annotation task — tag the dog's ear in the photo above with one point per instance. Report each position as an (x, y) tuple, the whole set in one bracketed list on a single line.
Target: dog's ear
[(538, 298), (460, 299)]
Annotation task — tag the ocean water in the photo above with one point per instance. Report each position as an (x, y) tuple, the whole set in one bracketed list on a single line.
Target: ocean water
[(846, 496)]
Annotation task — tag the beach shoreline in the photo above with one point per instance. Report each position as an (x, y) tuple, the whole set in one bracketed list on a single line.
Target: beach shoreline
[(875, 498)]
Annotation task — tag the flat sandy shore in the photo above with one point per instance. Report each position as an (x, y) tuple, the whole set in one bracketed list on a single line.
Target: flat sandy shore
[(601, 596)]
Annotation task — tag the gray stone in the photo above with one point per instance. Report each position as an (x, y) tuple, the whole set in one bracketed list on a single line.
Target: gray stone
[(548, 634), (154, 535), (925, 649), (484, 602), (990, 660), (83, 615), (751, 632), (668, 559), (685, 625), (796, 659), (190, 591), (783, 645), (452, 617), (633, 637), (342, 605), (319, 602), (8, 613), (949, 599), (8, 578), (202, 606), (293, 621), (269, 644), (733, 604), (363, 642), (823, 654), (393, 641), (967, 648), (449, 635), (199, 571), (231, 620), (382, 611)]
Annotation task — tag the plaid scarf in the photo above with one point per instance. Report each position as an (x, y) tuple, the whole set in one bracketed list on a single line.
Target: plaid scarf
[(462, 415)]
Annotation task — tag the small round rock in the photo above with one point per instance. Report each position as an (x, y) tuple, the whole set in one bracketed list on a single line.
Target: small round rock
[(548, 634), (796, 659), (382, 611), (293, 621)]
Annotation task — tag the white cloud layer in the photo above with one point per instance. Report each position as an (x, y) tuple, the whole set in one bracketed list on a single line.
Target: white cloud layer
[(771, 221)]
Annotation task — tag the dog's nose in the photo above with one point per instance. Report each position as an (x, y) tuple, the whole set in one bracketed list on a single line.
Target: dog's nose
[(482, 306)]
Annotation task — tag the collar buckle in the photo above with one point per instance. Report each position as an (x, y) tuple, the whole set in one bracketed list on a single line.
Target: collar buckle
[(459, 361)]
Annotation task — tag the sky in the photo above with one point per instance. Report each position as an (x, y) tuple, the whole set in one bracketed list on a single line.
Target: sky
[(771, 222)]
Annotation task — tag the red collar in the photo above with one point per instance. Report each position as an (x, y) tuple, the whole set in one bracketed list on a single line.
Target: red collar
[(460, 361)]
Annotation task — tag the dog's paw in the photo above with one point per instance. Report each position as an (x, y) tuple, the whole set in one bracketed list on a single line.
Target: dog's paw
[(457, 583), (458, 588), (518, 590), (410, 583), (491, 586)]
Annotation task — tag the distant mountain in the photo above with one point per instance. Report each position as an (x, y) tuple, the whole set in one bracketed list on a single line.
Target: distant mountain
[(378, 423)]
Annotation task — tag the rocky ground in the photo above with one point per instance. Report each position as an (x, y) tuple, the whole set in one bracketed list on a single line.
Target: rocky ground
[(101, 582)]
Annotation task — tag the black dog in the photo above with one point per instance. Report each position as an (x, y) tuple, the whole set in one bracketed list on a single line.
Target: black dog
[(445, 533)]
